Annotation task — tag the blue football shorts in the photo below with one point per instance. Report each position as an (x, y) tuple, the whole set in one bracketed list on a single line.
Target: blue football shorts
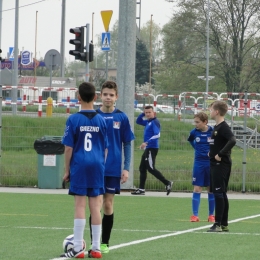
[(112, 184), (201, 174)]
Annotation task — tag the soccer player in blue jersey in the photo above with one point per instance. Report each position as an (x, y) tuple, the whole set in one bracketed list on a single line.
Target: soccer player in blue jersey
[(151, 147), (199, 139), (120, 136), (85, 140)]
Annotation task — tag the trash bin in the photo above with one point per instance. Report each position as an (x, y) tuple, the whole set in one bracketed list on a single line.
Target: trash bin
[(50, 162)]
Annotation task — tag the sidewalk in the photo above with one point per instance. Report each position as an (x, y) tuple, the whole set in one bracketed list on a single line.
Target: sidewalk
[(240, 196)]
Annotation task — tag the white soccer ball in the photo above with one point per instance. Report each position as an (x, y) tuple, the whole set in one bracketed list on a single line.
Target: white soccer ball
[(68, 243)]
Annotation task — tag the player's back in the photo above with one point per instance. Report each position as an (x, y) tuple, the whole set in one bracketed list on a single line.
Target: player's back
[(86, 133)]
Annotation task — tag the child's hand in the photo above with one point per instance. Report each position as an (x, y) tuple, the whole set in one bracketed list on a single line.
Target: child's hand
[(217, 158)]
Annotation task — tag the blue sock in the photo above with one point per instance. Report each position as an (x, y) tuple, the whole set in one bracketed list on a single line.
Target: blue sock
[(211, 201), (195, 203)]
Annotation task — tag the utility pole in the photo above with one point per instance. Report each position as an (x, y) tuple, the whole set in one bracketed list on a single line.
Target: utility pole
[(62, 38), (207, 55), (126, 66), (15, 69)]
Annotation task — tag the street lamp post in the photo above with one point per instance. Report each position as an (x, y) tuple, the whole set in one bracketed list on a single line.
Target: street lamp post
[(207, 78)]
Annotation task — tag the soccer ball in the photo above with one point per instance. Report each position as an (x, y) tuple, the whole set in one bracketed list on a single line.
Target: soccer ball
[(68, 243)]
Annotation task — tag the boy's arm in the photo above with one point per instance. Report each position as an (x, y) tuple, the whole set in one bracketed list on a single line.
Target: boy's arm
[(191, 139), (227, 133), (67, 156), (140, 121), (229, 145), (127, 157), (192, 144)]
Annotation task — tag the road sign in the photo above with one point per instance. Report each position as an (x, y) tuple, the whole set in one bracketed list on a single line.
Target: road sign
[(105, 44), (52, 59), (106, 17), (11, 53)]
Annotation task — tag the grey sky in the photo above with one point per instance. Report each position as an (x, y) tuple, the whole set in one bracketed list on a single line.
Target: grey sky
[(78, 13)]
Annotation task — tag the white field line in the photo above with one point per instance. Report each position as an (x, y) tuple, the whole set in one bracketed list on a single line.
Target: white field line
[(167, 235)]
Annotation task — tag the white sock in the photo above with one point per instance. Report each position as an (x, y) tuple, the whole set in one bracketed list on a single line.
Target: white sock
[(96, 233), (79, 226)]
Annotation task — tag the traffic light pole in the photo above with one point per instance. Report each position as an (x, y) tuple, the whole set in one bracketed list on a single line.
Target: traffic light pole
[(87, 50)]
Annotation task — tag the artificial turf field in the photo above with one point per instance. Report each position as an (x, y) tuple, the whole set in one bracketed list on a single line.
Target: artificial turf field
[(33, 226)]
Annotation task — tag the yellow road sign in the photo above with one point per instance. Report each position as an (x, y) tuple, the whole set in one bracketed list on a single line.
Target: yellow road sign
[(106, 17)]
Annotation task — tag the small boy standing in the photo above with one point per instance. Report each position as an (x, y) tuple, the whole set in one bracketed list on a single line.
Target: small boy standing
[(85, 140), (222, 141)]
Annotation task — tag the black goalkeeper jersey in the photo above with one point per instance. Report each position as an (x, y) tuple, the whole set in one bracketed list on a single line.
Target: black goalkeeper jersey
[(222, 141)]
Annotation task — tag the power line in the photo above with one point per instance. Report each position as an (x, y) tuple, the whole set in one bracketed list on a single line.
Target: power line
[(23, 6)]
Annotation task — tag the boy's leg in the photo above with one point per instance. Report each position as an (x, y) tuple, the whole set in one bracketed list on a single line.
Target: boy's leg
[(150, 165), (108, 219), (143, 172), (211, 203), (224, 221), (79, 221), (217, 187), (95, 204), (197, 182), (226, 208), (79, 225), (196, 200)]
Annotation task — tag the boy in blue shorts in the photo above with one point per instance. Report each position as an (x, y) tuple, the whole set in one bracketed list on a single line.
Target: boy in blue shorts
[(120, 136), (85, 140), (199, 139)]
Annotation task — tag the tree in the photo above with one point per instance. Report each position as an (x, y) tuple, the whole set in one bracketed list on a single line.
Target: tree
[(234, 40), (142, 64)]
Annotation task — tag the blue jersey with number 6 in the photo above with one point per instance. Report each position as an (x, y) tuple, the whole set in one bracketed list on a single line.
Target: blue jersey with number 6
[(86, 133)]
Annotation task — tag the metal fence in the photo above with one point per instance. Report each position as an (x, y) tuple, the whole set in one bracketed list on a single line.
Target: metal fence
[(18, 166)]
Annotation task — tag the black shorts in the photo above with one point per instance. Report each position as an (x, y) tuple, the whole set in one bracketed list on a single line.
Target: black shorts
[(219, 176)]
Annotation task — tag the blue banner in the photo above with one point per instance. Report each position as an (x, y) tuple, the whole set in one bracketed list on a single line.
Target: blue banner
[(9, 65)]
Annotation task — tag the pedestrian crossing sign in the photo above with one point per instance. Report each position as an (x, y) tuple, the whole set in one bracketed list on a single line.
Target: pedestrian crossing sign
[(11, 53), (105, 44)]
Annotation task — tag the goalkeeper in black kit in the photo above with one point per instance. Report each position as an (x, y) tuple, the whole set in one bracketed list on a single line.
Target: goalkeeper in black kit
[(221, 143)]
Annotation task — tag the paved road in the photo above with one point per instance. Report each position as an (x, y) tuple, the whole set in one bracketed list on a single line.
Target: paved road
[(241, 196)]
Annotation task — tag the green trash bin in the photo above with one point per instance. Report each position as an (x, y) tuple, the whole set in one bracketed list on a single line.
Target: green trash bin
[(50, 162)]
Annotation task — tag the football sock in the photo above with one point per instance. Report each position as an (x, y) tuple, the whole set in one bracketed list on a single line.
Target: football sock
[(96, 232), (211, 201), (107, 224), (195, 203), (225, 212), (79, 226), (219, 207)]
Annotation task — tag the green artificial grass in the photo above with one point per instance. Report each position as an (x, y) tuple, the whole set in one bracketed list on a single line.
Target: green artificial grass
[(33, 226)]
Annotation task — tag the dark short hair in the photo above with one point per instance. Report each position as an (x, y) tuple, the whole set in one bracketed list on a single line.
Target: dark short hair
[(148, 107), (202, 116), (87, 91), (221, 106), (110, 84)]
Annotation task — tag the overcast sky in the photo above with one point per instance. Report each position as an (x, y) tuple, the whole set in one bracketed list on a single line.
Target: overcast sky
[(78, 13)]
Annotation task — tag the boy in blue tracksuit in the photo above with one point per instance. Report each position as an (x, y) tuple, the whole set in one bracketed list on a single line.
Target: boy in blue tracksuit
[(151, 147)]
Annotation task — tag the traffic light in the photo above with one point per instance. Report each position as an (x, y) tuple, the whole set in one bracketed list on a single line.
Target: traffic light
[(79, 52), (91, 52)]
